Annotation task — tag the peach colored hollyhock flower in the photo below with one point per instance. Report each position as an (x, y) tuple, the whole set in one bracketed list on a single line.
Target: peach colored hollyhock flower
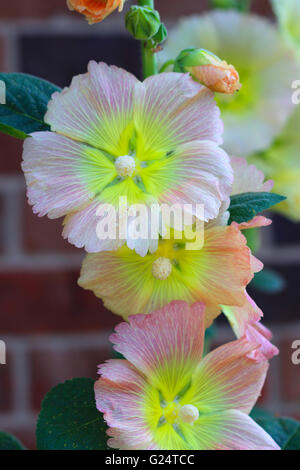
[(216, 274), (95, 10), (153, 142), (166, 396)]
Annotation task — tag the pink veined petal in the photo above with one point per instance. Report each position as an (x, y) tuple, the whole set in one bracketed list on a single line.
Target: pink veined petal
[(53, 170), (241, 316), (178, 109), (96, 108), (231, 430), (247, 178), (245, 321), (258, 333), (119, 395), (257, 221), (227, 379), (80, 228), (170, 339), (199, 172)]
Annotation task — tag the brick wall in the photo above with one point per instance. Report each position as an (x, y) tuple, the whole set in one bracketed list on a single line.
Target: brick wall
[(53, 329)]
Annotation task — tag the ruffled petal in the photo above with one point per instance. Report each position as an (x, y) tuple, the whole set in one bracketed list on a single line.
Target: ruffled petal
[(165, 346), (62, 175), (120, 395), (227, 378), (247, 178), (172, 109), (198, 172), (96, 108)]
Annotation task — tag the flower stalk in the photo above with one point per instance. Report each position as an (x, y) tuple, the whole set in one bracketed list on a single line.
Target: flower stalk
[(149, 61)]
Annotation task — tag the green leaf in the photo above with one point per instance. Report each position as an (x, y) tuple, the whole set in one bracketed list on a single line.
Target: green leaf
[(69, 419), (27, 98), (285, 431), (268, 281), (245, 206), (9, 442)]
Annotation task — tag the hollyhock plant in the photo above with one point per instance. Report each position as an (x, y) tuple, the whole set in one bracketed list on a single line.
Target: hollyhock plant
[(155, 142), (254, 46), (95, 10), (165, 395)]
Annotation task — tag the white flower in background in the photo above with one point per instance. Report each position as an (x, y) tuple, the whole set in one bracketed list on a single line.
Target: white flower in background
[(267, 67)]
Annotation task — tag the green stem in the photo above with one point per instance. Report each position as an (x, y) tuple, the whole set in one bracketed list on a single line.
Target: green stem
[(166, 65), (148, 56)]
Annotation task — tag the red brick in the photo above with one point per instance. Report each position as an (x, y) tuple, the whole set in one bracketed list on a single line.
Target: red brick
[(11, 154), (290, 372), (42, 234), (51, 367), (6, 385), (49, 301)]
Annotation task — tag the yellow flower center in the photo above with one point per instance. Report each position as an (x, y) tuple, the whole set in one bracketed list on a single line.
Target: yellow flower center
[(188, 414), (125, 165), (162, 268), (173, 413)]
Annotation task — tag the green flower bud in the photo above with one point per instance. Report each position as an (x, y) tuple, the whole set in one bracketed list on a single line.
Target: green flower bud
[(208, 69), (142, 22), (161, 34)]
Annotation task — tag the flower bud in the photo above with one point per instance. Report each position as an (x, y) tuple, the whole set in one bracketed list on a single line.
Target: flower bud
[(142, 22), (161, 34), (208, 69)]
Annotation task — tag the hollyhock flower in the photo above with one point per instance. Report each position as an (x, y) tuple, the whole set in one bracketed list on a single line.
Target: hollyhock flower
[(166, 396), (281, 162), (288, 15), (95, 10), (254, 46), (155, 142), (215, 273)]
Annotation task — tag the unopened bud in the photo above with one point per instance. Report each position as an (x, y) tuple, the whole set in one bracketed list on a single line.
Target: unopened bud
[(161, 34), (142, 22), (208, 69)]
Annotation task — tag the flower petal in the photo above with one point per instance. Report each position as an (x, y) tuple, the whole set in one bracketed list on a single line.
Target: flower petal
[(227, 378), (165, 345), (96, 108), (247, 178), (172, 109), (120, 396), (230, 430), (62, 175), (198, 172)]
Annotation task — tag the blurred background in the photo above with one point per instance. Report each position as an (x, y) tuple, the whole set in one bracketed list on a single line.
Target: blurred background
[(53, 329)]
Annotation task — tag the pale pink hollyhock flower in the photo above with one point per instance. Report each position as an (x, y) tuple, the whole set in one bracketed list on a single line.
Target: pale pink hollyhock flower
[(113, 136), (166, 396)]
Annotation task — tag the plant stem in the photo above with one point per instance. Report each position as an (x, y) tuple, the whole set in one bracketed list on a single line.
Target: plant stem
[(148, 56), (166, 65)]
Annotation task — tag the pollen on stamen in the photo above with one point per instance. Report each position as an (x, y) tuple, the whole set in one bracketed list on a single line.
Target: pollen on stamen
[(188, 414), (162, 268), (125, 165)]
